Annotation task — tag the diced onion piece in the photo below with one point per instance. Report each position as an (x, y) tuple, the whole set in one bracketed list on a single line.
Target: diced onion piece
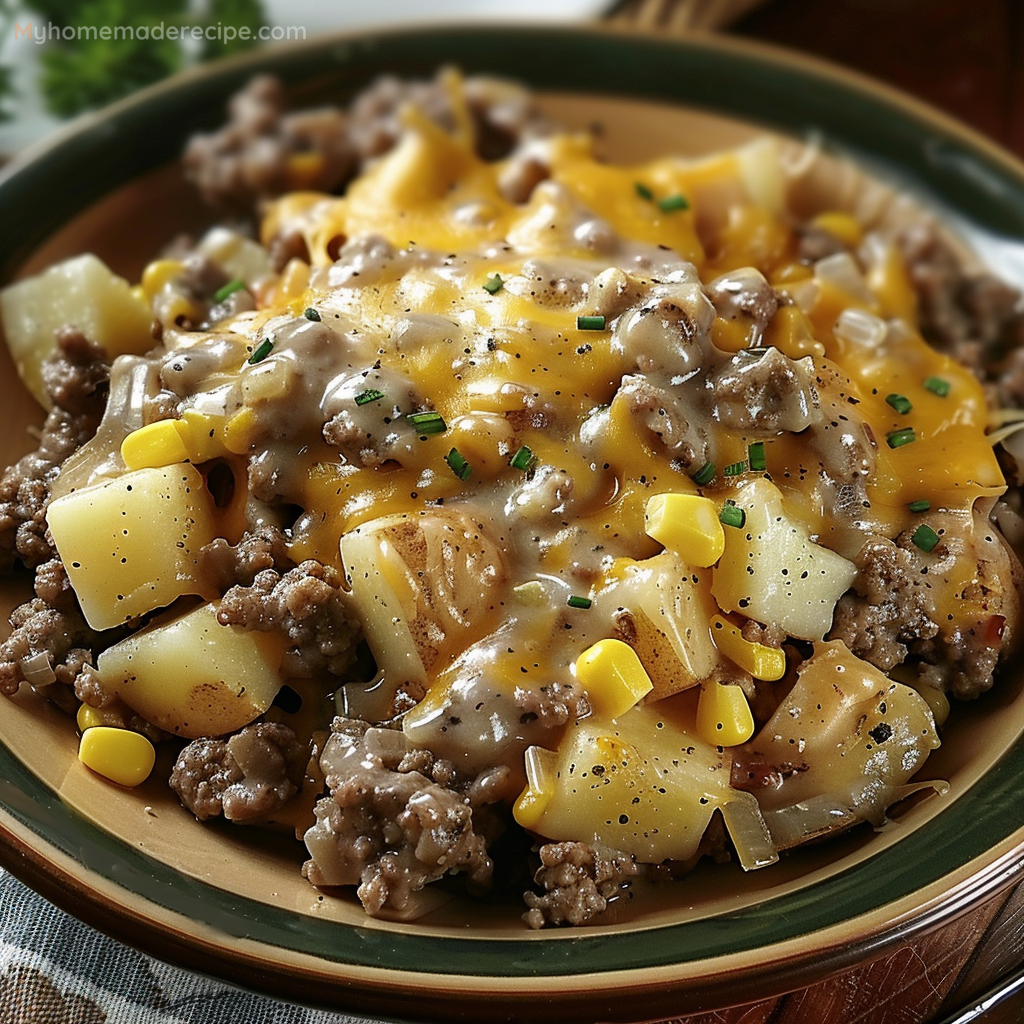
[(860, 328)]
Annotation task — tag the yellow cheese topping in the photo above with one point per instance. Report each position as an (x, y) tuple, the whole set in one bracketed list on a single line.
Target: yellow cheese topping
[(581, 437)]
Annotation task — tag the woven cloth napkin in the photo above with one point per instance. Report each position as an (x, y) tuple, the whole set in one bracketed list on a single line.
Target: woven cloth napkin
[(56, 970)]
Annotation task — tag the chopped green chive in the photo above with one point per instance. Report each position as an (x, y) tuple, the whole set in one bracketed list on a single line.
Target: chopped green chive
[(755, 453), (228, 289), (590, 323), (704, 475), (494, 284), (735, 468), (925, 537), (643, 191), (920, 505), (753, 353), (669, 204), (900, 403), (732, 515), (311, 314), (937, 386), (898, 438), (523, 459), (575, 601), (458, 464), (428, 422), (369, 395), (262, 350)]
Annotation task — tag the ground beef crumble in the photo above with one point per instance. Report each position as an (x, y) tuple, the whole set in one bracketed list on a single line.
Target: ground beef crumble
[(48, 632), (888, 607), (245, 777), (76, 379), (228, 565), (395, 820), (264, 150), (579, 881), (307, 604)]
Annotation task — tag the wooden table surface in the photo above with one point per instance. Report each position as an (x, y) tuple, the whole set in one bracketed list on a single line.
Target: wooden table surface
[(967, 58)]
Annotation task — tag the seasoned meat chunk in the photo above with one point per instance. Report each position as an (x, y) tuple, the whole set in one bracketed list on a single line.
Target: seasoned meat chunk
[(974, 317), (386, 826), (766, 392), (76, 380), (59, 641), (579, 881), (306, 604), (239, 564), (661, 413), (745, 296), (889, 605), (262, 150), (245, 777)]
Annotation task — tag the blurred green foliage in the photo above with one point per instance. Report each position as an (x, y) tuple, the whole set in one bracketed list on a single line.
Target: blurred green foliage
[(81, 70)]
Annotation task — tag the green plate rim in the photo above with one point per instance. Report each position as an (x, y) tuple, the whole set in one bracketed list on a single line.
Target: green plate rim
[(907, 142)]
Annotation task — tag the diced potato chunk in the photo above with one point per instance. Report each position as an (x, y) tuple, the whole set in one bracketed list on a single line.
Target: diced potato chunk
[(130, 544), (425, 587), (239, 257), (854, 756), (82, 292), (771, 571), (667, 611), (194, 677), (644, 784)]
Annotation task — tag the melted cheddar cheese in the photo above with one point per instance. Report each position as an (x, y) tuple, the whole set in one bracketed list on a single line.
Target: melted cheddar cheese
[(615, 437)]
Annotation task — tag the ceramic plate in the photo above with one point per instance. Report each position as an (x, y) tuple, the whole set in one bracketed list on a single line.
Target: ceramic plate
[(139, 867)]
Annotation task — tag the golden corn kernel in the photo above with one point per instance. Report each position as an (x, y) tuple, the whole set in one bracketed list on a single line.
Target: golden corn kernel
[(304, 169), (760, 660), (121, 755), (723, 715), (179, 309), (293, 282), (840, 225), (790, 331), (541, 766), (687, 524), (240, 431), (613, 677), (889, 281), (159, 273), (730, 335), (155, 445), (88, 717), (788, 273), (202, 435)]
